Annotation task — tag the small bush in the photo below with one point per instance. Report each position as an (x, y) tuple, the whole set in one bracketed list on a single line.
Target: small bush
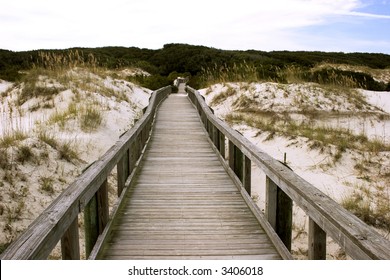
[(46, 184), (66, 152), (24, 154), (44, 136), (152, 82), (4, 163)]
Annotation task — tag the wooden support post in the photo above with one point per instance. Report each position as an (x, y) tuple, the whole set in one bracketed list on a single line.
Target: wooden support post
[(317, 242), (209, 129), (279, 212), (122, 172), (236, 160), (95, 217), (102, 206), (222, 144), (216, 138), (91, 225), (247, 175), (132, 159), (231, 155), (138, 147), (70, 243), (238, 163)]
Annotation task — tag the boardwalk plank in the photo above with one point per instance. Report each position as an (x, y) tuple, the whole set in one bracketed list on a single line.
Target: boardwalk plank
[(182, 204)]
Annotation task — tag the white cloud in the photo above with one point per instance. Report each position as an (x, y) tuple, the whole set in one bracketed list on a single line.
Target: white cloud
[(243, 24)]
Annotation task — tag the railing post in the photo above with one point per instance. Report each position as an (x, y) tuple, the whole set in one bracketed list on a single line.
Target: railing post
[(95, 217), (138, 147), (317, 242), (222, 144), (216, 137), (247, 175), (70, 243), (238, 163), (236, 160), (210, 128), (103, 206), (123, 172), (279, 212), (231, 155)]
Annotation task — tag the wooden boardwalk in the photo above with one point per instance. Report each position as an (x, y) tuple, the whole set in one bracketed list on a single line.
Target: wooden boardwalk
[(182, 203), (185, 199)]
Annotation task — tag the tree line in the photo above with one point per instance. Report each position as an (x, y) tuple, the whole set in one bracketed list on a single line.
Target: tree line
[(175, 60)]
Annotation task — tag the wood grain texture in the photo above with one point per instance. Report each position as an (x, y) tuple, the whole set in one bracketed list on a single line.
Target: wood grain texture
[(359, 240), (183, 204)]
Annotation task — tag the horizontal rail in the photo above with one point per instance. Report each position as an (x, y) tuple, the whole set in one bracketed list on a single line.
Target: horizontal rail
[(283, 186), (87, 193)]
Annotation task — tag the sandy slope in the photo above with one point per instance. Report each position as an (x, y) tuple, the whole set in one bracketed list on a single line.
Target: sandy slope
[(336, 179), (28, 187)]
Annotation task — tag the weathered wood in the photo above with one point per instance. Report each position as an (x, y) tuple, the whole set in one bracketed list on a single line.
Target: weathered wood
[(232, 156), (96, 217), (45, 232), (91, 224), (238, 163), (215, 138), (102, 206), (222, 144), (70, 244), (279, 212), (122, 172), (357, 239), (271, 202), (182, 192), (247, 175), (317, 242)]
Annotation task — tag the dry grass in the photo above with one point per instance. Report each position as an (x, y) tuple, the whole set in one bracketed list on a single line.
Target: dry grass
[(90, 118), (321, 135), (371, 206), (219, 98), (10, 139)]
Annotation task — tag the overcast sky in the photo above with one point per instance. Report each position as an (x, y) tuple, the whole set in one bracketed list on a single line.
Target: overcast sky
[(325, 25)]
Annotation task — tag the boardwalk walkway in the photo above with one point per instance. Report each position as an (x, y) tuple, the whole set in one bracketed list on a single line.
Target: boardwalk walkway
[(182, 204)]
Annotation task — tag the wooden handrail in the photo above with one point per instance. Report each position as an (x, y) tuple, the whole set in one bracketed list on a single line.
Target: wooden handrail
[(87, 193), (357, 239)]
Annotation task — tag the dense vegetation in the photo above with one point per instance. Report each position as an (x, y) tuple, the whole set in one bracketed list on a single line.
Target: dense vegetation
[(180, 59)]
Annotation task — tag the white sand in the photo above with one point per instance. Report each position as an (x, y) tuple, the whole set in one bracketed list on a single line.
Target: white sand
[(335, 180), (22, 198)]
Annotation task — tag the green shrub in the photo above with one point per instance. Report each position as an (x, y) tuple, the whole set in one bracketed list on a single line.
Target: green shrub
[(24, 154)]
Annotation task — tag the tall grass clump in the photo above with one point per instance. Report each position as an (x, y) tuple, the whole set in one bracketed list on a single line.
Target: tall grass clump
[(343, 139), (372, 207), (10, 139), (67, 151), (242, 72), (47, 138), (24, 153), (90, 118), (65, 60), (219, 98)]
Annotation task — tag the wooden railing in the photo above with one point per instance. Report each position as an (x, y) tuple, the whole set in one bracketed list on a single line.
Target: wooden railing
[(283, 187), (88, 194)]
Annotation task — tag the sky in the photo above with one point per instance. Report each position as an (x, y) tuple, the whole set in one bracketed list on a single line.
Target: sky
[(309, 25)]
